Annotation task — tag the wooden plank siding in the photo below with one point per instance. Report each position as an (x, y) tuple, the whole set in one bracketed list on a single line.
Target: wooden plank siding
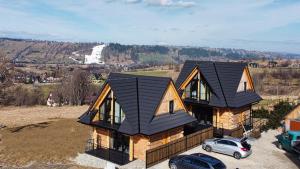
[(170, 94), (138, 144)]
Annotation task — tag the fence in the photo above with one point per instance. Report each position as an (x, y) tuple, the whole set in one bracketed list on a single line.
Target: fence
[(106, 153), (255, 128), (161, 153)]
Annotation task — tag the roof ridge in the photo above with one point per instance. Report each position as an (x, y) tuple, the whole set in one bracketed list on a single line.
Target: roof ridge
[(220, 84)]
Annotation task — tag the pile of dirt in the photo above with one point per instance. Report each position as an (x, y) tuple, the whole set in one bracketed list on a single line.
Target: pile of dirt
[(47, 142)]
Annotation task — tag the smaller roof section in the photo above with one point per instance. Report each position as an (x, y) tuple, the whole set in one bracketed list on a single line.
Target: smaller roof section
[(140, 98), (224, 79)]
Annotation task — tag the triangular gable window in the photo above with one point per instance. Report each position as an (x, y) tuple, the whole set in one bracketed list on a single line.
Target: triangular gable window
[(197, 89)]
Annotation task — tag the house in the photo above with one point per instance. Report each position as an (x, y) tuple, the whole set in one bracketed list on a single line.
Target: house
[(135, 113), (292, 119), (218, 93)]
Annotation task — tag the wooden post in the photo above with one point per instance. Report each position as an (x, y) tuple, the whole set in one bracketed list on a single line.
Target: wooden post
[(112, 106), (131, 149), (198, 89)]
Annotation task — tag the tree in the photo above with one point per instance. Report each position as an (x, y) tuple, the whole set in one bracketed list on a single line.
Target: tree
[(6, 75), (277, 115), (76, 87)]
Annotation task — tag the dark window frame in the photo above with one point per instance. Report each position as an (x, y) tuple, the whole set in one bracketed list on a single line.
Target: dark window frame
[(171, 106), (245, 86)]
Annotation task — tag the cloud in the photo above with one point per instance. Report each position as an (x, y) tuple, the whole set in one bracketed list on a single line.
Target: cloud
[(171, 3), (159, 3)]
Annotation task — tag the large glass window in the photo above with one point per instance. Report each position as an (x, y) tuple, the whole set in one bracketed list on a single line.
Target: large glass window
[(119, 142), (191, 90), (118, 113), (104, 110)]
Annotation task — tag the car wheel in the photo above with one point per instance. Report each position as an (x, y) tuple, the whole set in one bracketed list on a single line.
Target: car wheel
[(279, 145), (237, 155), (173, 166), (208, 148)]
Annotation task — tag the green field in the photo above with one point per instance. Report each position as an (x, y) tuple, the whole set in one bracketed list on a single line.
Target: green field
[(154, 58), (160, 73)]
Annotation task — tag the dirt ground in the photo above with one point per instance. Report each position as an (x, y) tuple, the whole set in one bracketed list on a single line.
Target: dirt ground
[(21, 116), (42, 137)]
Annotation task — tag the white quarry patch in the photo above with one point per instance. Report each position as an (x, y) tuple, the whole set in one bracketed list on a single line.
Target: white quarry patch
[(96, 56)]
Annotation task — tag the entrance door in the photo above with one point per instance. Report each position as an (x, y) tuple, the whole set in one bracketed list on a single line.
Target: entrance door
[(119, 142), (204, 115)]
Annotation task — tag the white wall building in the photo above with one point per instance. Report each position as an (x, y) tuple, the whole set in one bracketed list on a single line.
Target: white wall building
[(95, 57)]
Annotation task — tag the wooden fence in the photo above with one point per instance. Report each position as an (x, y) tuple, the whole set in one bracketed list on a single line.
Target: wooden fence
[(164, 152), (256, 129)]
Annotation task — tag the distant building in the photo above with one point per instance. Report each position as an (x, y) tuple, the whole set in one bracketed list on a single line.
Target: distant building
[(95, 57), (253, 65)]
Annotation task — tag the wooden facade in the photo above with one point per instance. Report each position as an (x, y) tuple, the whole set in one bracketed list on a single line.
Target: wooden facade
[(139, 143), (231, 118), (170, 95), (225, 117)]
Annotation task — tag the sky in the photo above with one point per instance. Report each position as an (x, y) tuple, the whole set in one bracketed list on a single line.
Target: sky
[(265, 25)]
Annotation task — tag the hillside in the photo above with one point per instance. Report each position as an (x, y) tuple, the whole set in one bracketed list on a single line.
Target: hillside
[(36, 51)]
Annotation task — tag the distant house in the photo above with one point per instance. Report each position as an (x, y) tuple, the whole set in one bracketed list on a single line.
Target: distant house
[(253, 65), (292, 117), (133, 114), (218, 93), (272, 64)]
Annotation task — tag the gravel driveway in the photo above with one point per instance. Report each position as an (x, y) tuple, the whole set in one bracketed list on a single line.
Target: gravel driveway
[(265, 156)]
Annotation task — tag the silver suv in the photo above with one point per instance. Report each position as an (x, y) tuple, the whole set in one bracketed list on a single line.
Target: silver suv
[(238, 148)]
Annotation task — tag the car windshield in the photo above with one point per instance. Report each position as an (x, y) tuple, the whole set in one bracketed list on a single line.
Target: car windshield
[(219, 166), (246, 145)]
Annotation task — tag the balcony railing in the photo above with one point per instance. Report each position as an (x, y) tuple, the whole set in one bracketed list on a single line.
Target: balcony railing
[(106, 153)]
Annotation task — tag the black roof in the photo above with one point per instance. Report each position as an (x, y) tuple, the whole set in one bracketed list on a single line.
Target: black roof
[(139, 97), (223, 79)]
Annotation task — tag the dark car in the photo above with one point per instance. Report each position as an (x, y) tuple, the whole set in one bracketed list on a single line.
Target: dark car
[(195, 161)]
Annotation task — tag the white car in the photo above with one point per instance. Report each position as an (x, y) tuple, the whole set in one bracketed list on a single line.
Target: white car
[(238, 148)]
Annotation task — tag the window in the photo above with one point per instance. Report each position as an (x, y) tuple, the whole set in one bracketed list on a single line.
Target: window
[(245, 86), (118, 113), (232, 143), (194, 89), (191, 90), (223, 142), (171, 106), (202, 90), (104, 110), (200, 164), (187, 160)]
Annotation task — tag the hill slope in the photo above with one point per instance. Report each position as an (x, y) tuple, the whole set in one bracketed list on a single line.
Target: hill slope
[(36, 51)]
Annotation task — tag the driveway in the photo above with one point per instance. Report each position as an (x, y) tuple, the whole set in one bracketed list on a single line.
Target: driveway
[(265, 156)]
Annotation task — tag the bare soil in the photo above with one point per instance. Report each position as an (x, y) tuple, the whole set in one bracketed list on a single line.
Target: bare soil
[(42, 137), (21, 116)]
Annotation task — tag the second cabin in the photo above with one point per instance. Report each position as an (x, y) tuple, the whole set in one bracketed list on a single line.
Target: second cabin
[(218, 93)]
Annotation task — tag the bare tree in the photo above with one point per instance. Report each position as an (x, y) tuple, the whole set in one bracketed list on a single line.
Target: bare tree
[(6, 74), (76, 87)]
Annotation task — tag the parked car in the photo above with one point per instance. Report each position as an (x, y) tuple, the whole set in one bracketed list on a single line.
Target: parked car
[(196, 161), (288, 139), (238, 148)]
